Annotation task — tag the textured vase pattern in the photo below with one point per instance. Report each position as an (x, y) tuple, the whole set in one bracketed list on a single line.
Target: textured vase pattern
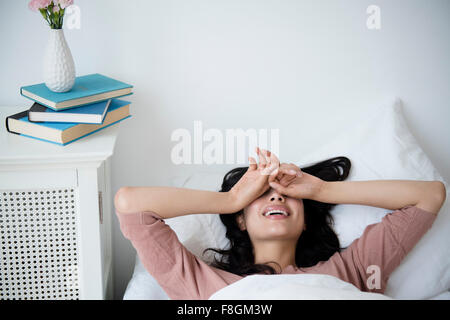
[(59, 68)]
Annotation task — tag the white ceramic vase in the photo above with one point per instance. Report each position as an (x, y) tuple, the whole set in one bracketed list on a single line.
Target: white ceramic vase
[(59, 68)]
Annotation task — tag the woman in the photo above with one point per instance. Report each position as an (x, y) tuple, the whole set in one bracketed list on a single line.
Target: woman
[(277, 219)]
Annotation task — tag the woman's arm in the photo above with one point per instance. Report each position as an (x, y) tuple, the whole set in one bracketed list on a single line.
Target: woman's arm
[(389, 194), (171, 202), (370, 260)]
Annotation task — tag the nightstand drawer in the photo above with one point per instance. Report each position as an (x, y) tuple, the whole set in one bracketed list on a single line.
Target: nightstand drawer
[(38, 179)]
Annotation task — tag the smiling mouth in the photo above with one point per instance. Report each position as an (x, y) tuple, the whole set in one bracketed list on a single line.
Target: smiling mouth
[(276, 212)]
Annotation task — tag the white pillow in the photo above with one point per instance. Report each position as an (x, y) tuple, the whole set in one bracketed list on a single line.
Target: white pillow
[(380, 146)]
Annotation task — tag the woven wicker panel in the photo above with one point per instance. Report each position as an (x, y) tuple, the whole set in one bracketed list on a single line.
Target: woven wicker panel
[(38, 244)]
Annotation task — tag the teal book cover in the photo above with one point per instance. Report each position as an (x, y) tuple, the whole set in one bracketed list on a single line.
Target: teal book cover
[(87, 89)]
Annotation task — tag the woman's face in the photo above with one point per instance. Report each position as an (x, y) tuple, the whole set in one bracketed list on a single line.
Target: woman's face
[(273, 216)]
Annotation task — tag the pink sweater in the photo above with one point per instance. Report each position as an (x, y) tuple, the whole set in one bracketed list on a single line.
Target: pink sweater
[(183, 276)]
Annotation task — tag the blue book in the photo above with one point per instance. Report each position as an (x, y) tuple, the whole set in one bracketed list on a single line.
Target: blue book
[(86, 90), (64, 133), (89, 113)]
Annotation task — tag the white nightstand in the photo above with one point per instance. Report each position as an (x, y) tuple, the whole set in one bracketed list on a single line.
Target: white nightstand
[(55, 216)]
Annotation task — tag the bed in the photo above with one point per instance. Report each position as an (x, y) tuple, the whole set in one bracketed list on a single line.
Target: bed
[(380, 146)]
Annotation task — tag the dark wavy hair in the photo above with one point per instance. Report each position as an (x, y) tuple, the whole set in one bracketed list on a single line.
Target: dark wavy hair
[(317, 243)]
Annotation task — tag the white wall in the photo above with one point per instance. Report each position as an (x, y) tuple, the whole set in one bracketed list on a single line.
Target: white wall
[(305, 67)]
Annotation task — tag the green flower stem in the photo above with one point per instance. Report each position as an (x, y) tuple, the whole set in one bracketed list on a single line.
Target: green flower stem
[(62, 16), (44, 14), (54, 19)]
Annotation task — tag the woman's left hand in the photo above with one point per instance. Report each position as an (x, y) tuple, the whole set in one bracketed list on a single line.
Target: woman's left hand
[(300, 185)]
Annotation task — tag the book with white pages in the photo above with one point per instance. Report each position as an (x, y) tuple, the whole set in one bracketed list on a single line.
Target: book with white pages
[(65, 133), (91, 113)]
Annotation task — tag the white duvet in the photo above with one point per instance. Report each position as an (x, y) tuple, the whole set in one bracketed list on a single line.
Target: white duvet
[(293, 287), (143, 286)]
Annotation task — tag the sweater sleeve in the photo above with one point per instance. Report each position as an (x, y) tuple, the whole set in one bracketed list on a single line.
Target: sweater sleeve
[(382, 247), (179, 272)]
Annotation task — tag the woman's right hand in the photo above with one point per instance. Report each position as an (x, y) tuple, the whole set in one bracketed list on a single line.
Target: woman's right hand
[(255, 181)]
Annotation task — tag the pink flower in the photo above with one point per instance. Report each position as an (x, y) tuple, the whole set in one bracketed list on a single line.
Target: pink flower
[(63, 3), (35, 5)]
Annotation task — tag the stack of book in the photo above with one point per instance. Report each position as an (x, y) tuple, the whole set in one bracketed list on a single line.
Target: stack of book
[(62, 118)]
